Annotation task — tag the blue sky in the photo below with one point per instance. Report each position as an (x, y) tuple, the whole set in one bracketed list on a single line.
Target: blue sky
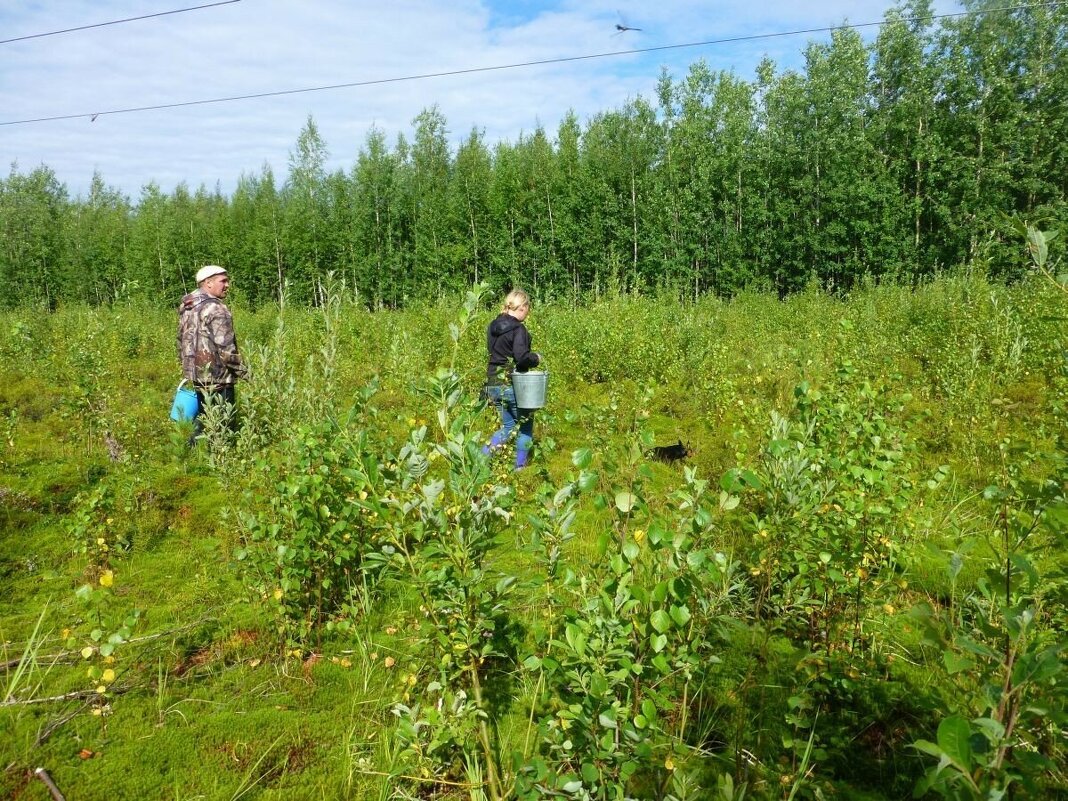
[(255, 46)]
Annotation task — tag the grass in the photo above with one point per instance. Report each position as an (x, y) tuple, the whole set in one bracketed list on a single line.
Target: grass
[(210, 704)]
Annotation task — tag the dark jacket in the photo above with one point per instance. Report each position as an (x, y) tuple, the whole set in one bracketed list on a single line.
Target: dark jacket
[(507, 340)]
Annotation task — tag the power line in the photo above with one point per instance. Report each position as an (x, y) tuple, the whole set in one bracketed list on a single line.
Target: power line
[(117, 21), (519, 65)]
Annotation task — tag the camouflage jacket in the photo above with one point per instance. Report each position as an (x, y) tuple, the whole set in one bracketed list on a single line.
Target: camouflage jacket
[(207, 346)]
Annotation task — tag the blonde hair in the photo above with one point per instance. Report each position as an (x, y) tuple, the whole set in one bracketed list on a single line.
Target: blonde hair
[(515, 300)]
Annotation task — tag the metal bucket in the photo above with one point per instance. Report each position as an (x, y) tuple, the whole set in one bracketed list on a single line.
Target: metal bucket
[(185, 406), (530, 388)]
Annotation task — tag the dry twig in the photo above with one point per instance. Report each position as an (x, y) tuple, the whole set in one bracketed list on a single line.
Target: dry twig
[(42, 774)]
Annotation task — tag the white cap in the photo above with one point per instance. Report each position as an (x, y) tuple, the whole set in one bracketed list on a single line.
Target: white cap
[(206, 272)]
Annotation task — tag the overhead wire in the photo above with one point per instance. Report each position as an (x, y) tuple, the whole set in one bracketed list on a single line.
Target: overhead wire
[(117, 21), (519, 65)]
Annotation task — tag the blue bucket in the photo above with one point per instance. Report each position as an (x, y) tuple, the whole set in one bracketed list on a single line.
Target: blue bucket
[(186, 405)]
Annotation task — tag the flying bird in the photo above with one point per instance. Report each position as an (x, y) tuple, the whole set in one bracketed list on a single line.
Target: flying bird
[(622, 26)]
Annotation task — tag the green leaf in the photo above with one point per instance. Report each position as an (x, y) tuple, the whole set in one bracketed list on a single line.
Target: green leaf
[(598, 685), (1042, 666), (603, 539), (562, 495), (737, 479), (504, 584), (681, 615), (625, 501), (532, 662), (954, 738), (575, 638), (680, 587), (992, 730), (539, 769), (658, 642), (694, 559), (589, 773), (656, 534), (729, 481), (955, 663), (1036, 244), (977, 648), (582, 458), (631, 550), (928, 748), (661, 620)]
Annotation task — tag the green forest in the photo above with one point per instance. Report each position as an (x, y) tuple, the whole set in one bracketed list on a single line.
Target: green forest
[(894, 159)]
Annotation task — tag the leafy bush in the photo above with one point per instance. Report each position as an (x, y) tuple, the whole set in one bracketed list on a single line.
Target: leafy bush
[(306, 555)]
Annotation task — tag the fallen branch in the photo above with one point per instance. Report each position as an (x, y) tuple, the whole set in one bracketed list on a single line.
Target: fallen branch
[(77, 695), (69, 655), (51, 699), (56, 724), (422, 779), (88, 698), (42, 774)]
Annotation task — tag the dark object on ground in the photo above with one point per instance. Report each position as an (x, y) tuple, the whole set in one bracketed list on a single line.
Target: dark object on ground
[(671, 453)]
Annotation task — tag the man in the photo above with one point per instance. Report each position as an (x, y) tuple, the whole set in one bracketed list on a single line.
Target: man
[(207, 346)]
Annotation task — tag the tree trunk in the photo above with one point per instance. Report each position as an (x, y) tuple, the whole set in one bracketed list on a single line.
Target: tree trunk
[(634, 224)]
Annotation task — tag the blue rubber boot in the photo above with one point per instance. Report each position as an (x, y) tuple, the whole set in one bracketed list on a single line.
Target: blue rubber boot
[(523, 444), (495, 442)]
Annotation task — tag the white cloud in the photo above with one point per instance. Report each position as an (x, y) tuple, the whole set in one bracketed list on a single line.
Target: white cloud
[(271, 45)]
